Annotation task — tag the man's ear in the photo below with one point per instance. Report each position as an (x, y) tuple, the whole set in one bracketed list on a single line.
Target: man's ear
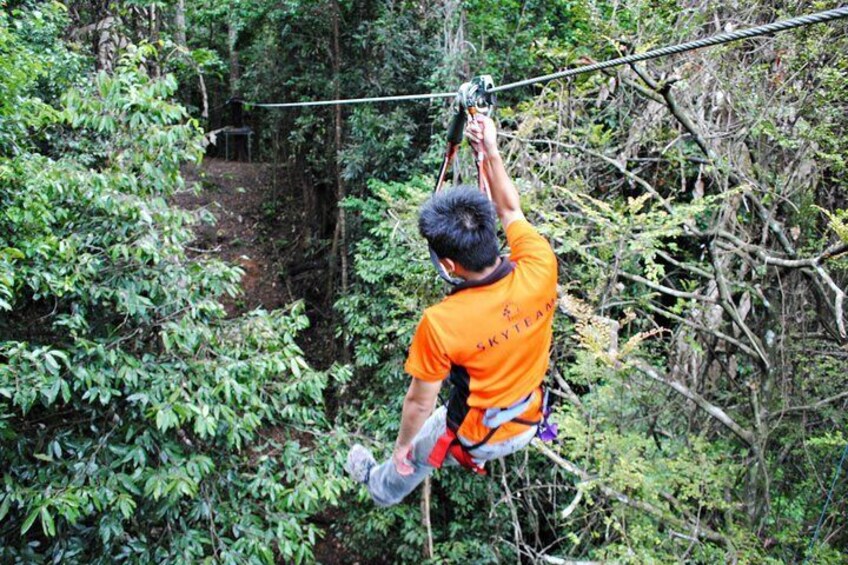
[(449, 265)]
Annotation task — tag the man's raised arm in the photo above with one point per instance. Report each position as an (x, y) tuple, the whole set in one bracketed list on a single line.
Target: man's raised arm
[(482, 131)]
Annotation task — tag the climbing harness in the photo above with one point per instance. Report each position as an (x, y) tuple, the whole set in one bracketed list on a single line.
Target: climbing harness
[(457, 410), (474, 97), (494, 418)]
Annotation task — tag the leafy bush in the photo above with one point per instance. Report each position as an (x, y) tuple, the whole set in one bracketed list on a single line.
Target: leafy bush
[(139, 424)]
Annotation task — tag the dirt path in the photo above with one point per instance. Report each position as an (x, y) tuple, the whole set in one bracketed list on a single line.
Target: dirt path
[(257, 228)]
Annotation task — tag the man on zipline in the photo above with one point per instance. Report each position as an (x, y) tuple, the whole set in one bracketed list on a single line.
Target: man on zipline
[(491, 335)]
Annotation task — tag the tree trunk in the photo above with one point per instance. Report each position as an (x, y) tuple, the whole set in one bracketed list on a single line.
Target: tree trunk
[(340, 235), (340, 186), (153, 31), (182, 42), (180, 24), (339, 248), (232, 38)]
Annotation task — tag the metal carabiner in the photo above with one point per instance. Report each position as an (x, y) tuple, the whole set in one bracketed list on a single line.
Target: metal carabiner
[(475, 97)]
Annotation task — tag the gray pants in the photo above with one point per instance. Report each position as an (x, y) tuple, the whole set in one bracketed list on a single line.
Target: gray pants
[(388, 487)]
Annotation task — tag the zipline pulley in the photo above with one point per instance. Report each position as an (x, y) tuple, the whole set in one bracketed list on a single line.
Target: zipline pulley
[(476, 95)]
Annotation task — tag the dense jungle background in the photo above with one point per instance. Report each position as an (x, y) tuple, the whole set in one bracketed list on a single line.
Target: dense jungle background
[(190, 342)]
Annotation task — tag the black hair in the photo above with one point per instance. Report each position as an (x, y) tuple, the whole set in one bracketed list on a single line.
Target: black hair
[(459, 224)]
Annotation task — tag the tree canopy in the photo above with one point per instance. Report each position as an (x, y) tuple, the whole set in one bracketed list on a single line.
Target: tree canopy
[(698, 206)]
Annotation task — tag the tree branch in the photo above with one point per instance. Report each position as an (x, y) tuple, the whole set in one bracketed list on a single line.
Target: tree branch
[(810, 407), (719, 334), (727, 304), (696, 530), (610, 161), (671, 102), (705, 405)]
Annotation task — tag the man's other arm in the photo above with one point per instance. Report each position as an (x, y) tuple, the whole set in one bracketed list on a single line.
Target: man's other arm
[(482, 131), (417, 406)]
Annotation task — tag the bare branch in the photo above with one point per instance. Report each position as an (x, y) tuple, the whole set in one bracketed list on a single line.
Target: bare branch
[(719, 334), (695, 530), (691, 268), (838, 300), (610, 161), (567, 390), (667, 290), (810, 407), (705, 405), (425, 517), (810, 266), (727, 304), (671, 102)]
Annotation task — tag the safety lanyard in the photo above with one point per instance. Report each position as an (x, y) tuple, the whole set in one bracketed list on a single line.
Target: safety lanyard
[(474, 97)]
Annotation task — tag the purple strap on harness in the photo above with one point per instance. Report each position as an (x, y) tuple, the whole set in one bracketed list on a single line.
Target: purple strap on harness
[(547, 431)]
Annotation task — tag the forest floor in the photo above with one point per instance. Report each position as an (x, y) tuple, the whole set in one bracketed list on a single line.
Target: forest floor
[(258, 229)]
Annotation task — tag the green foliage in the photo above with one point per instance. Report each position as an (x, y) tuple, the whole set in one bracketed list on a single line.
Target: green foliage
[(380, 145), (838, 222), (381, 324), (40, 65), (139, 423), (383, 48), (512, 39)]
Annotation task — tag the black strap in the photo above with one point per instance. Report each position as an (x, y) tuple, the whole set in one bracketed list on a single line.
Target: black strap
[(485, 440), (529, 423), (455, 281)]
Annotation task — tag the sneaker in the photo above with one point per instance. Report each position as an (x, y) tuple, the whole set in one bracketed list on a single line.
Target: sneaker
[(359, 463)]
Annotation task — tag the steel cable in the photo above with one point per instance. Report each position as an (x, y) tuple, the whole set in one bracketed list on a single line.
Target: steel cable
[(688, 46), (767, 29)]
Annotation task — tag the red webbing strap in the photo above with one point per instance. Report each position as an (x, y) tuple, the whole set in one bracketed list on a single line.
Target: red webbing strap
[(448, 442), (482, 180), (464, 458), (440, 450), (450, 153), (479, 159)]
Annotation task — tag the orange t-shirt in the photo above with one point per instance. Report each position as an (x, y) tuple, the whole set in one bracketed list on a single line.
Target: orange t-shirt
[(499, 330)]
